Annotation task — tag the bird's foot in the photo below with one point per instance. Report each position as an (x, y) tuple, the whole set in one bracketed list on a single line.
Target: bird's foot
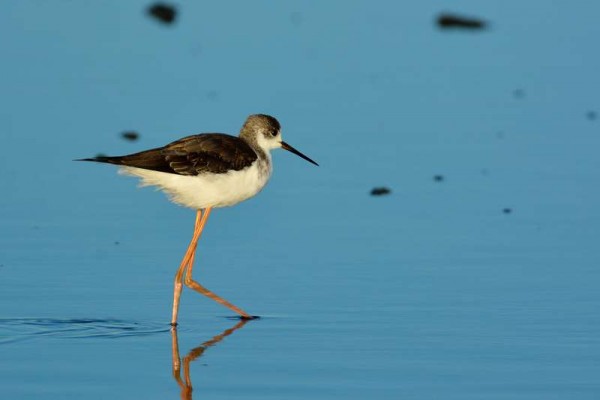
[(244, 317)]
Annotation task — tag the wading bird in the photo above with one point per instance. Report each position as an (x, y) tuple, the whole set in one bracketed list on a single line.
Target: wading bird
[(207, 171)]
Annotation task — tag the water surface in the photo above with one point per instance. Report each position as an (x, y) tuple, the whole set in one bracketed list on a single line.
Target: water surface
[(432, 291)]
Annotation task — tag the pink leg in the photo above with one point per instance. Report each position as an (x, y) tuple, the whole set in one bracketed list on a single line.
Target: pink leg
[(201, 289), (189, 255)]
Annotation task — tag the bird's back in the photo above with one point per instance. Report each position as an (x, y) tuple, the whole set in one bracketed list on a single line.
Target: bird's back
[(214, 153)]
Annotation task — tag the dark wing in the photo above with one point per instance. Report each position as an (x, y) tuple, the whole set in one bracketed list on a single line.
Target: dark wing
[(214, 153)]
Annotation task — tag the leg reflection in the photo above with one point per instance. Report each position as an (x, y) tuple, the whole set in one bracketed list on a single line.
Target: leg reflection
[(186, 383)]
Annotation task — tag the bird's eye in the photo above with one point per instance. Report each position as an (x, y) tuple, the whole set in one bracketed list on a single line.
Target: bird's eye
[(274, 133)]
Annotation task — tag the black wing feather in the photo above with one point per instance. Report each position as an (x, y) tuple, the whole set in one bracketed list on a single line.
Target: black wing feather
[(214, 153)]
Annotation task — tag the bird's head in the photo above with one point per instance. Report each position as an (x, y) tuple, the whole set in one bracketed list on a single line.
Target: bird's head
[(265, 131)]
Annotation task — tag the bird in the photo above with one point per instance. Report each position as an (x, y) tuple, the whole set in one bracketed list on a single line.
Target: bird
[(206, 171)]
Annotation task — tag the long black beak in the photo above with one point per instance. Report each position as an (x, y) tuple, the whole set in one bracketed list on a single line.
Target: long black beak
[(289, 148)]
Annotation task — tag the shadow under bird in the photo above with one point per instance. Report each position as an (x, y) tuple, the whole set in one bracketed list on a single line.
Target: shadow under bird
[(207, 171)]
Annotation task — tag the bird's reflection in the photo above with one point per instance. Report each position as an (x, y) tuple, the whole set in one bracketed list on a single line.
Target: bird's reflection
[(186, 383)]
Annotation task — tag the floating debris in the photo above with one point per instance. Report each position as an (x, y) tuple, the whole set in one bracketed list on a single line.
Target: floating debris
[(296, 18), (132, 136), (438, 178), (507, 210), (380, 191), (163, 12), (591, 115), (212, 95), (453, 21), (518, 93)]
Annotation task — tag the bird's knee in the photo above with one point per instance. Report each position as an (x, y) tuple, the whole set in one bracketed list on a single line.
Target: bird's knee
[(188, 281)]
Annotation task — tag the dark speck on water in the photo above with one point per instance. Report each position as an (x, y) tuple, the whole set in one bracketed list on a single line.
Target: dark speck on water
[(452, 21), (380, 191), (212, 95), (591, 115), (507, 210), (165, 13), (130, 135), (518, 93), (296, 18), (438, 178)]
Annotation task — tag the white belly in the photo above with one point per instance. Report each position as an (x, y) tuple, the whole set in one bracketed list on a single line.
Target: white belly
[(206, 190)]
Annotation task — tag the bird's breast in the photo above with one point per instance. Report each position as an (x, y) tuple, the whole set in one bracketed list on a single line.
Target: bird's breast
[(209, 189)]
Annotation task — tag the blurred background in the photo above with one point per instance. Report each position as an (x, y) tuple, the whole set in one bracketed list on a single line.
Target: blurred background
[(446, 246)]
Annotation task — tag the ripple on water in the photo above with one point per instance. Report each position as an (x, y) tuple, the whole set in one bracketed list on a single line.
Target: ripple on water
[(17, 329)]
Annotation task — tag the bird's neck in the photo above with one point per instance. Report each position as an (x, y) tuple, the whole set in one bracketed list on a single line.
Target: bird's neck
[(264, 154)]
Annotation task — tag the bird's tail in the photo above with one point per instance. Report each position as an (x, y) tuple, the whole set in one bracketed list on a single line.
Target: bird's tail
[(152, 159), (104, 159)]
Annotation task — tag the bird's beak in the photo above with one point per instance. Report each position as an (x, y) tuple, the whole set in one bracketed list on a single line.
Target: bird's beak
[(289, 148)]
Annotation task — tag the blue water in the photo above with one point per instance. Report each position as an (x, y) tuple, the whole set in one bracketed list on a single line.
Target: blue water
[(483, 284)]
